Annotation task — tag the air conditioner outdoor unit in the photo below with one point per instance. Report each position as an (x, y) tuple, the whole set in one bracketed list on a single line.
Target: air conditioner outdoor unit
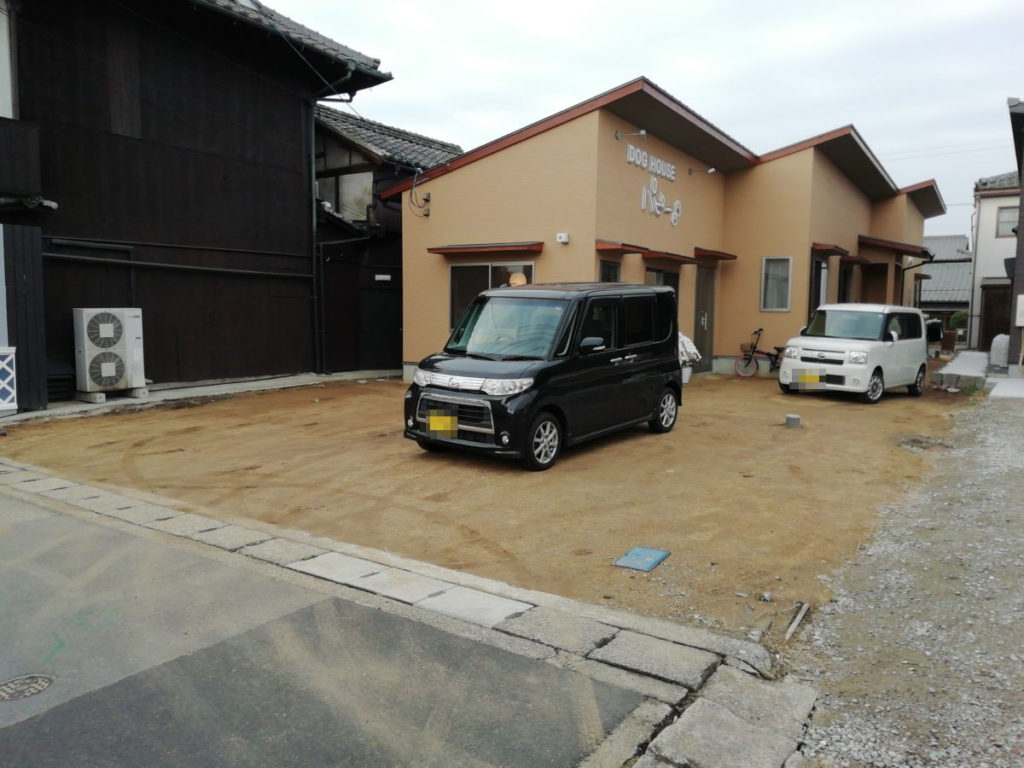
[(108, 350)]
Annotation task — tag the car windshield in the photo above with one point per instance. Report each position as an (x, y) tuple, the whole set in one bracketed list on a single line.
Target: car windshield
[(502, 327), (846, 324)]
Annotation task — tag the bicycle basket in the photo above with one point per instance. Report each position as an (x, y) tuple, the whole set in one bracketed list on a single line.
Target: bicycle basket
[(746, 348)]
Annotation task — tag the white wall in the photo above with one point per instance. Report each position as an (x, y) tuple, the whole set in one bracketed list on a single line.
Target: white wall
[(989, 252)]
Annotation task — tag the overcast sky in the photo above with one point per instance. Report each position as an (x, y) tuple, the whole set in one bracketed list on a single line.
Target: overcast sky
[(925, 83)]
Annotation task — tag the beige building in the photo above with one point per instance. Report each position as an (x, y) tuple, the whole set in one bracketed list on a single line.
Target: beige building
[(633, 186)]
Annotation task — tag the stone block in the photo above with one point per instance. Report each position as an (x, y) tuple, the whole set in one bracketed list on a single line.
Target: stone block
[(104, 503), (337, 567), (474, 606), (281, 551), (142, 513), (185, 525), (19, 476), (708, 734), (782, 707), (559, 629), (404, 586), (689, 667), (43, 484), (231, 537), (73, 493)]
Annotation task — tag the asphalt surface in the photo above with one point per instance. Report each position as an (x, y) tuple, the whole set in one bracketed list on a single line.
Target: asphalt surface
[(163, 653)]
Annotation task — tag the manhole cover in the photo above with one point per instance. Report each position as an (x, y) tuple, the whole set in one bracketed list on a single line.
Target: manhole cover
[(23, 686)]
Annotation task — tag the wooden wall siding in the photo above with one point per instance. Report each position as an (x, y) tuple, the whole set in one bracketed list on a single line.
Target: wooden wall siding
[(19, 158), (161, 126), (22, 249)]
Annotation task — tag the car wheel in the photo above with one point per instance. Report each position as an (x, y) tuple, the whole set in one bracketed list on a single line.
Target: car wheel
[(543, 443), (428, 446), (668, 411), (876, 386), (917, 388), (786, 389)]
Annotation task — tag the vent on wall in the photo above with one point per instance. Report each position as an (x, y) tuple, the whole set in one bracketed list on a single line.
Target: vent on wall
[(108, 349), (8, 381)]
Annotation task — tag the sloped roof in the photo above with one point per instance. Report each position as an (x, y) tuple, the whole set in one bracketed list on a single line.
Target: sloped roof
[(303, 38), (385, 142), (1002, 181), (950, 272), (642, 103)]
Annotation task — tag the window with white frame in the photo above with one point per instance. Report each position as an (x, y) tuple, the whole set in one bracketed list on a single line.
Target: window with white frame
[(775, 283), (1006, 220), (468, 280)]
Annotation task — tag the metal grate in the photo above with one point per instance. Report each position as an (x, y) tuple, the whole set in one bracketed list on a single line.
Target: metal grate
[(23, 686)]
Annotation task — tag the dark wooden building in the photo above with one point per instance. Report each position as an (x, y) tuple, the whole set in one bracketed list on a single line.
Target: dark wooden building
[(176, 139), (360, 236)]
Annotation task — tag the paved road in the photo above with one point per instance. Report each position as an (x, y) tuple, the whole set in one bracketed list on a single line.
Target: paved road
[(162, 654)]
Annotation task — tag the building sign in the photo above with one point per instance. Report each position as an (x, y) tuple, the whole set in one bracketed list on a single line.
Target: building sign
[(649, 162), (652, 200)]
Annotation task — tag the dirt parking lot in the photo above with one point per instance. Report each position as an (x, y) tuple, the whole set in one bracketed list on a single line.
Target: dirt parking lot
[(745, 505)]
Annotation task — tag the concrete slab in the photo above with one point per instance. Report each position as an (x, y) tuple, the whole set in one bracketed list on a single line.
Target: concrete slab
[(400, 585), (281, 551), (1007, 388), (559, 629), (20, 476), (104, 502), (42, 484), (689, 667), (89, 605), (336, 567), (708, 734), (780, 707), (967, 369), (73, 493), (473, 606), (659, 690), (635, 729), (143, 512), (185, 525), (231, 537)]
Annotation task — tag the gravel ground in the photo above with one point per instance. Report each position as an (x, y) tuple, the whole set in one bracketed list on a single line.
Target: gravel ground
[(920, 656)]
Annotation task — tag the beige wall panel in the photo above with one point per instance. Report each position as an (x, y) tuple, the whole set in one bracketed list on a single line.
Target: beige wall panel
[(767, 213), (527, 192), (839, 211), (622, 218)]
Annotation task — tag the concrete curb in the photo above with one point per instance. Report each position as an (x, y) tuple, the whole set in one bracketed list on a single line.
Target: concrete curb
[(664, 661)]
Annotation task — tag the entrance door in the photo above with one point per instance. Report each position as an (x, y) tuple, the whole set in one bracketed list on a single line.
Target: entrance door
[(704, 318), (995, 314)]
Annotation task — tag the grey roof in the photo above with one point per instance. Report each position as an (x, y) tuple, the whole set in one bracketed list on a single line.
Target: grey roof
[(950, 282), (385, 142), (1002, 181), (258, 14)]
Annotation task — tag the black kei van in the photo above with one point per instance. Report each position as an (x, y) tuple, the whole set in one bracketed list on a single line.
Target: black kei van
[(532, 368)]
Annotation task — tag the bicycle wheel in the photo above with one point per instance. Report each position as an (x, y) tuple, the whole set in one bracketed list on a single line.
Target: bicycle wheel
[(745, 366)]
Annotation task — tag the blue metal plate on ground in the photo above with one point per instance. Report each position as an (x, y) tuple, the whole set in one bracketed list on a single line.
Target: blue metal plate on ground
[(642, 558)]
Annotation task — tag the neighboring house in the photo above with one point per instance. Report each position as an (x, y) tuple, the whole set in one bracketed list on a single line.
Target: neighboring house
[(634, 186), (1016, 325), (946, 284), (176, 139), (360, 237), (996, 210)]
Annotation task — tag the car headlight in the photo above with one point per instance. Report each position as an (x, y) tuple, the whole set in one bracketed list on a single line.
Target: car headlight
[(421, 377), (859, 357), (791, 352), (506, 386)]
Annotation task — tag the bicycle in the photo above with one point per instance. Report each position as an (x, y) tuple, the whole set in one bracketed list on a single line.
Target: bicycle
[(746, 365)]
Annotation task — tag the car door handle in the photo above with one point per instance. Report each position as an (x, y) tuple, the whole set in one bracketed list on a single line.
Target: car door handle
[(629, 358), (615, 360)]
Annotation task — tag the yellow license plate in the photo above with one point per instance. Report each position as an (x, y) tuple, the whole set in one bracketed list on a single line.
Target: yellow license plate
[(442, 424), (810, 378)]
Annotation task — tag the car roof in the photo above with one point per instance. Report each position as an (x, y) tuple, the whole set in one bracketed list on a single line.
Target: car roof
[(858, 307), (572, 290)]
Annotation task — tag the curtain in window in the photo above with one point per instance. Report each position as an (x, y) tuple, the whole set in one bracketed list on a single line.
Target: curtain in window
[(776, 284)]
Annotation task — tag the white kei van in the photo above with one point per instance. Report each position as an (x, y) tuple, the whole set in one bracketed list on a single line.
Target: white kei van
[(862, 348)]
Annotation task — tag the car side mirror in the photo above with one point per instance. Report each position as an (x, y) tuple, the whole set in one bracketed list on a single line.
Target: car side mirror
[(591, 344), (893, 336), (803, 331)]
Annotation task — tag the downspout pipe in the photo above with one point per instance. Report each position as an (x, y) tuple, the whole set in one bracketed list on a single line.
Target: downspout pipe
[(332, 88)]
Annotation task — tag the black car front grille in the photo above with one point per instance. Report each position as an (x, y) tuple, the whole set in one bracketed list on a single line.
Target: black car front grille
[(820, 361), (471, 417)]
